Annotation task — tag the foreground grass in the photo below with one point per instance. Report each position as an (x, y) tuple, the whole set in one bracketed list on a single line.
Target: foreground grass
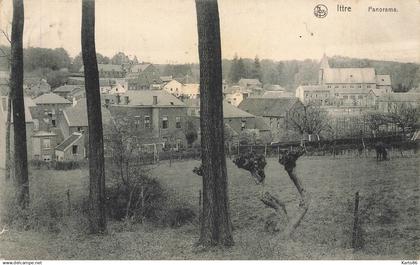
[(390, 208)]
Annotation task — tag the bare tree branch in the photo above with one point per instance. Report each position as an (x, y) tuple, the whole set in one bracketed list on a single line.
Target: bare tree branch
[(6, 35)]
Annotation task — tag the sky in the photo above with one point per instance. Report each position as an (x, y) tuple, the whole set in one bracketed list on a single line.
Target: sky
[(164, 31)]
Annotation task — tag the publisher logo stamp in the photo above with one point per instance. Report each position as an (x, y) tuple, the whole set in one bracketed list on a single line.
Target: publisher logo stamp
[(320, 11)]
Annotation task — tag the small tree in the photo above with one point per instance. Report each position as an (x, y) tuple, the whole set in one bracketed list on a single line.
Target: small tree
[(405, 116), (375, 120), (310, 119)]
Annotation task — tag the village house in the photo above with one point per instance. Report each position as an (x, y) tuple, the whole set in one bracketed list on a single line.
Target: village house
[(47, 109), (72, 148), (43, 144), (174, 87), (108, 71), (73, 128), (67, 91), (235, 94), (235, 119), (275, 112), (158, 116), (143, 77), (249, 83), (190, 90)]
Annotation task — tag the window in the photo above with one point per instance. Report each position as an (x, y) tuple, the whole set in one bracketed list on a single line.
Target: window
[(74, 149), (359, 86), (137, 121), (243, 124), (344, 86), (360, 97), (345, 97), (46, 143), (146, 121), (351, 86), (368, 86), (53, 123), (178, 122), (165, 123)]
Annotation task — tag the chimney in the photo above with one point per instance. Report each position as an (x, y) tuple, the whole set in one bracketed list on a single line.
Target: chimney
[(155, 100)]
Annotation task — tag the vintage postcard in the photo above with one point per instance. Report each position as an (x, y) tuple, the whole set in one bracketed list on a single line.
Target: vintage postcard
[(209, 130)]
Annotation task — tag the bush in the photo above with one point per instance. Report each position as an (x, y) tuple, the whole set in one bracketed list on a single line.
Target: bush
[(139, 201), (46, 212), (58, 165)]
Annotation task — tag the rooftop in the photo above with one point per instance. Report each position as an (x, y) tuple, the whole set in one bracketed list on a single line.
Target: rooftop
[(69, 141), (67, 88), (349, 75), (145, 98), (50, 98), (273, 107), (383, 80), (76, 116), (106, 68)]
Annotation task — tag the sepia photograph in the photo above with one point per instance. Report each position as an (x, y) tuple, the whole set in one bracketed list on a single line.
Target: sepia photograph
[(196, 130)]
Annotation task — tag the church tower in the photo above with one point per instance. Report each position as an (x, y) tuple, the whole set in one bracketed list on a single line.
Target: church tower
[(323, 65)]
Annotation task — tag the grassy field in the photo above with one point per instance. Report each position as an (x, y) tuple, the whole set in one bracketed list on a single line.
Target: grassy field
[(389, 203)]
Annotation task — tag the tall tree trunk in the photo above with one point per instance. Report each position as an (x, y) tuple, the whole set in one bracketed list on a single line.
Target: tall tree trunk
[(96, 147), (216, 228), (18, 106), (8, 125)]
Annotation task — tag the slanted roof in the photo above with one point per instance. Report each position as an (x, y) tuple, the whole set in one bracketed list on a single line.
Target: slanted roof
[(230, 111), (261, 125), (76, 116), (107, 68), (277, 94), (166, 78), (233, 89), (378, 91), (349, 75), (383, 80), (67, 88), (268, 107), (250, 81), (50, 98), (137, 68), (145, 98), (69, 141)]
